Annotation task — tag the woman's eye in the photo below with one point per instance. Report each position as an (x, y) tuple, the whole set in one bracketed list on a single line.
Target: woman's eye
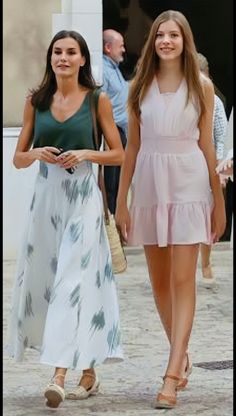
[(68, 53)]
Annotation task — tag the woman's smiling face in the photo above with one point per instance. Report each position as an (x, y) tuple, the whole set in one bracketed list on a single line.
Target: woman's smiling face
[(66, 57), (169, 41)]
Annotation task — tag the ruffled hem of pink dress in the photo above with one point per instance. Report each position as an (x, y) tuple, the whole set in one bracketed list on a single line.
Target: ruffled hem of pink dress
[(171, 223)]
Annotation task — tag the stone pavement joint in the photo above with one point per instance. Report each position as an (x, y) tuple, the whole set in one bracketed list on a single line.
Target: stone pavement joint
[(129, 388), (215, 365)]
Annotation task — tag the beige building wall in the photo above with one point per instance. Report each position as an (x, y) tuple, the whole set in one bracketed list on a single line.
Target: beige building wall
[(27, 31), (28, 28)]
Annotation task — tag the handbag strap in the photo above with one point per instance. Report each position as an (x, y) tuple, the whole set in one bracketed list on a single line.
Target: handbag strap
[(101, 182)]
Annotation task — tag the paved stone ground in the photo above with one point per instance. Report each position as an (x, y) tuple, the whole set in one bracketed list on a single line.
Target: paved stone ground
[(128, 388)]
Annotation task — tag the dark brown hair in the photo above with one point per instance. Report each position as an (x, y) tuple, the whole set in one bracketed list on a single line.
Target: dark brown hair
[(41, 98)]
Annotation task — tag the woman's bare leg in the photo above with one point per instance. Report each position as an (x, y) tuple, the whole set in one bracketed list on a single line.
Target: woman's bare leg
[(159, 267), (88, 378), (183, 292), (159, 263), (205, 260), (205, 254), (59, 376)]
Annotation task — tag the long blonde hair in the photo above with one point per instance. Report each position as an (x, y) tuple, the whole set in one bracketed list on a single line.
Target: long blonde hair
[(149, 62)]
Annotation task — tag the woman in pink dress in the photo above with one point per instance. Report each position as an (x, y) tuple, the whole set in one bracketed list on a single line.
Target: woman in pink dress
[(177, 201)]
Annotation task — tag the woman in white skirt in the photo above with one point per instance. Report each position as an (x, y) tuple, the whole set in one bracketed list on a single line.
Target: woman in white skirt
[(65, 301)]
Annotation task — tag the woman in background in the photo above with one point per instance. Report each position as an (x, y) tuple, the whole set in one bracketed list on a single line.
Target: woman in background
[(220, 124)]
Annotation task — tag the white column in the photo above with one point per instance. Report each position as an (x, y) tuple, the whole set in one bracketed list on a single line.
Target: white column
[(85, 17), (66, 6)]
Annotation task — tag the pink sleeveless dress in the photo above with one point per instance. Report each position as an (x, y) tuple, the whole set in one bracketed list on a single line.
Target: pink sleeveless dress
[(171, 198)]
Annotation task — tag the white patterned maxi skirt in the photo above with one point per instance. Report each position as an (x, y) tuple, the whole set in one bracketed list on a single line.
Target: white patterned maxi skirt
[(65, 301)]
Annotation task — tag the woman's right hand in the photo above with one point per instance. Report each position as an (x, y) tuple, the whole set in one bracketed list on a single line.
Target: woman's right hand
[(46, 154), (122, 219)]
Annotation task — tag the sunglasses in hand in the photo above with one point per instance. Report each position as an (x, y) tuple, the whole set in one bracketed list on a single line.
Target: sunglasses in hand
[(69, 170)]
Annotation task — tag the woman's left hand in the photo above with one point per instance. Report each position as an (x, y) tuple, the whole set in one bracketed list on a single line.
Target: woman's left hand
[(218, 221), (71, 158)]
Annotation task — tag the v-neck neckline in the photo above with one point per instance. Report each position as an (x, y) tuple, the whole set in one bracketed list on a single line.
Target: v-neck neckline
[(168, 104), (168, 92), (73, 115)]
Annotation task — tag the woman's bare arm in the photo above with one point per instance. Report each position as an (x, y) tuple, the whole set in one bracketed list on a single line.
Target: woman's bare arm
[(207, 146), (115, 154), (23, 156), (128, 166), (122, 215)]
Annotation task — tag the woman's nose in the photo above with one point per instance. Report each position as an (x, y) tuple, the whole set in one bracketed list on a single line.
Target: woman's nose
[(63, 57), (166, 39)]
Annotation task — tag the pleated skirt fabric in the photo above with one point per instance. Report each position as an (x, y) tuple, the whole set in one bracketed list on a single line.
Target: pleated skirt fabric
[(65, 299)]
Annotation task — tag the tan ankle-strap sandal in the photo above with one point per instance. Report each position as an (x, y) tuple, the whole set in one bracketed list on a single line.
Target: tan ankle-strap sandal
[(54, 393), (184, 380), (164, 401), (80, 392)]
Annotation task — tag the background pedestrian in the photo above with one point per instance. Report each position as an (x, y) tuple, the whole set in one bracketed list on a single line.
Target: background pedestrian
[(116, 88)]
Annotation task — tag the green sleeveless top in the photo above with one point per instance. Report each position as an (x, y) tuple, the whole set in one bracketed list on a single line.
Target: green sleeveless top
[(75, 133)]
